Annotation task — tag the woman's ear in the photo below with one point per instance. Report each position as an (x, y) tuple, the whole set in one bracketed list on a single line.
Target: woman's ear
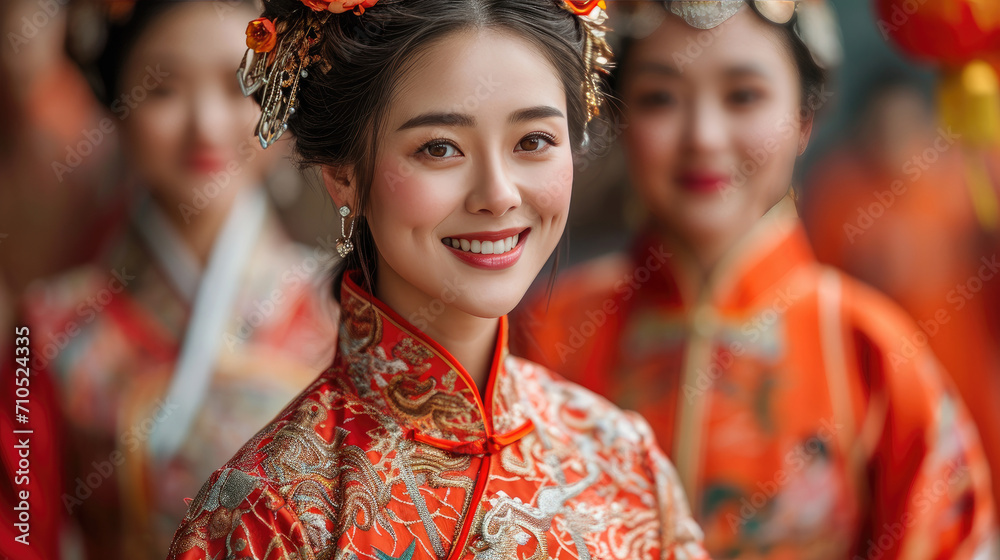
[(805, 130), (340, 183)]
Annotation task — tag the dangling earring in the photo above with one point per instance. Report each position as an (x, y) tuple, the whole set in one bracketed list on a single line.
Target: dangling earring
[(344, 244)]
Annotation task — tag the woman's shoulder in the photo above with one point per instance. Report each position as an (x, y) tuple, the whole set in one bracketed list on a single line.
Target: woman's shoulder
[(254, 488), (871, 313), (592, 414), (62, 293), (59, 308), (620, 443)]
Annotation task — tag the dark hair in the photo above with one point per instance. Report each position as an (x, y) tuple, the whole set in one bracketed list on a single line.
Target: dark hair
[(340, 113), (812, 76), (102, 60)]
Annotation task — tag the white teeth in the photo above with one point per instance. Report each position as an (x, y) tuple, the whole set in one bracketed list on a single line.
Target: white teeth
[(498, 247)]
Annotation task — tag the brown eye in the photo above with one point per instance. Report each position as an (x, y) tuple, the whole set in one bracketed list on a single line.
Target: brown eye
[(535, 143), (530, 144), (439, 150)]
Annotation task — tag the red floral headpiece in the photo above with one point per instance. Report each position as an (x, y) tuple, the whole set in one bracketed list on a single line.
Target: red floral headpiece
[(340, 6)]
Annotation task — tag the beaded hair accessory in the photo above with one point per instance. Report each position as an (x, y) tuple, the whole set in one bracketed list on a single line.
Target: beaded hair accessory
[(596, 52), (277, 57), (812, 20)]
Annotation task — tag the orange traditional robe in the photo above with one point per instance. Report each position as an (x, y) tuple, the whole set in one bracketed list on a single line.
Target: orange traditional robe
[(392, 453), (108, 337), (806, 419)]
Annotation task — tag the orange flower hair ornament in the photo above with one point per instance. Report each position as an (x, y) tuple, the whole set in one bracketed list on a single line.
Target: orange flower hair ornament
[(277, 57)]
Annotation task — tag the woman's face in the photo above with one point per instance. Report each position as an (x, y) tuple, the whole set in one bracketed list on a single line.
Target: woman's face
[(187, 126), (473, 177), (714, 125)]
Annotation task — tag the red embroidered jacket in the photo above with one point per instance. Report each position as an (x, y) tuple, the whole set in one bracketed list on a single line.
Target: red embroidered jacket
[(391, 453)]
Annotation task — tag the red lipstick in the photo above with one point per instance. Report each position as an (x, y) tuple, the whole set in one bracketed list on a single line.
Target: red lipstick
[(702, 181), (204, 163), (488, 261)]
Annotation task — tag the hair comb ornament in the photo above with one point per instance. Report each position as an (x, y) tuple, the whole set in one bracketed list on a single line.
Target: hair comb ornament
[(597, 53), (277, 57)]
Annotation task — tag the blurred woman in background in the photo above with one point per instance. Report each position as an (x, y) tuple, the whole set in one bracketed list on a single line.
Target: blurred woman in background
[(804, 421), (202, 320)]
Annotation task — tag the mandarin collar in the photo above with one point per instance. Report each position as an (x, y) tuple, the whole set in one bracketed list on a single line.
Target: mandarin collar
[(394, 365), (773, 248)]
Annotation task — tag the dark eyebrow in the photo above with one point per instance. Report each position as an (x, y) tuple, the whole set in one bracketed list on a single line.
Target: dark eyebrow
[(657, 68), (748, 70), (534, 113), (439, 119), (744, 70)]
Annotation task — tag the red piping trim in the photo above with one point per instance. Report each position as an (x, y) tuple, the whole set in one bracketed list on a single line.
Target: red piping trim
[(477, 495)]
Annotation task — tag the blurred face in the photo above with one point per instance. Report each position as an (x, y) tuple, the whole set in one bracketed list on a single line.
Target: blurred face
[(713, 131), (186, 123), (473, 177)]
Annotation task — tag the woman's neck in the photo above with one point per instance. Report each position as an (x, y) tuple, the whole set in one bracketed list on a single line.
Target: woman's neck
[(704, 254), (471, 340), (197, 228)]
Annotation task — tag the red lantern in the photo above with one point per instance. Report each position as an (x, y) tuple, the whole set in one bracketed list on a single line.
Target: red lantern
[(950, 32)]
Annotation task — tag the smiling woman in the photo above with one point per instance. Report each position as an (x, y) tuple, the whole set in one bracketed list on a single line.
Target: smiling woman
[(445, 131)]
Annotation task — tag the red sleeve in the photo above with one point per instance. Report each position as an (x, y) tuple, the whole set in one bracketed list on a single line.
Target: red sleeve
[(929, 481), (239, 516)]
